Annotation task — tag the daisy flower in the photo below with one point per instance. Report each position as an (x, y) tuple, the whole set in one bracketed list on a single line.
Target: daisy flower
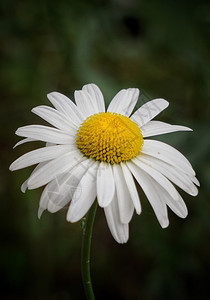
[(94, 153)]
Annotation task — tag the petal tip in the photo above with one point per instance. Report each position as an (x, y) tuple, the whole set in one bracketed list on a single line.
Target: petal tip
[(51, 94), (72, 219), (166, 102), (162, 101), (40, 212), (123, 239), (194, 193), (11, 168), (138, 211), (165, 223), (184, 215), (196, 181), (17, 131)]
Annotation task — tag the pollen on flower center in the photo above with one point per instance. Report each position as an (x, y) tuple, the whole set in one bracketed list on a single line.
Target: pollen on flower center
[(109, 137)]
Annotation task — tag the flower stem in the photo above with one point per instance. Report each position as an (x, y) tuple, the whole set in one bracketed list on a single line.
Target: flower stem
[(86, 244)]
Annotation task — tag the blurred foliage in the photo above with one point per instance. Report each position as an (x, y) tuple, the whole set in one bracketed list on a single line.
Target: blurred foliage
[(162, 47)]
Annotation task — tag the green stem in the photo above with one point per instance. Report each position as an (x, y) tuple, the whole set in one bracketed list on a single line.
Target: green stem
[(85, 259)]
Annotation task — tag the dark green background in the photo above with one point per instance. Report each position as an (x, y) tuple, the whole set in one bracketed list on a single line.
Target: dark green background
[(161, 47)]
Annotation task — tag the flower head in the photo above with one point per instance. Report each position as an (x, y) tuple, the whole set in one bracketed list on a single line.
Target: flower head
[(91, 152)]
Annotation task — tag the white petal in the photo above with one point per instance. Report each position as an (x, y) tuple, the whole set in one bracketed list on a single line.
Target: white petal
[(85, 103), (66, 106), (154, 196), (40, 212), (148, 111), (53, 168), (118, 230), (153, 128), (56, 118), (105, 184), (23, 141), (40, 155), (55, 194), (178, 207), (131, 188), (24, 186), (125, 203), (195, 180), (175, 175), (45, 134), (60, 191), (124, 102), (59, 202), (96, 95), (158, 177), (168, 154), (81, 202)]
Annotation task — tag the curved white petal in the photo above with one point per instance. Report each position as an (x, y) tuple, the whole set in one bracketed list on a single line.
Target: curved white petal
[(195, 180), (40, 155), (148, 111), (40, 212), (175, 175), (168, 154), (125, 203), (124, 101), (53, 168), (131, 188), (23, 141), (24, 186), (60, 191), (81, 202), (56, 194), (96, 95), (153, 128), (45, 134), (118, 230), (66, 106), (153, 194), (55, 118), (178, 207), (105, 184), (85, 103), (158, 177)]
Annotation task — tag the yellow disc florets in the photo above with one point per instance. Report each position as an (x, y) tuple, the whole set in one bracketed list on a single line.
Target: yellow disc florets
[(109, 137)]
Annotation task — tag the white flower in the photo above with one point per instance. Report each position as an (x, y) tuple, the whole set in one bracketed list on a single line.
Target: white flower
[(92, 153)]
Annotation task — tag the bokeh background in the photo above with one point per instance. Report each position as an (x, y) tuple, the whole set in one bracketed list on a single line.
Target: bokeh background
[(161, 47)]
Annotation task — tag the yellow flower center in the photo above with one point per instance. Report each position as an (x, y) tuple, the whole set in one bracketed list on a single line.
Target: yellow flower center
[(109, 137)]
